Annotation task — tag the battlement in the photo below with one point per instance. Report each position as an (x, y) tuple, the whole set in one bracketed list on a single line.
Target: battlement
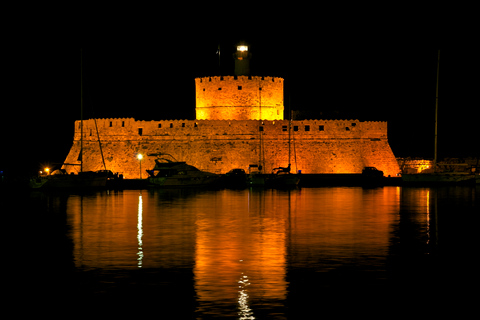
[(239, 98)]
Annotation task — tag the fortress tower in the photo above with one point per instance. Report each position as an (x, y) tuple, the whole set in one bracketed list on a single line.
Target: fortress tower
[(239, 123), (239, 97)]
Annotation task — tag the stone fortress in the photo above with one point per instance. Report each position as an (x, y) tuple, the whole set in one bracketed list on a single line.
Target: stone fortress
[(239, 124)]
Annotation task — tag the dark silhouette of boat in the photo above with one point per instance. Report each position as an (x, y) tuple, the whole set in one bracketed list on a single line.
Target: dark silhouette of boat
[(61, 180), (235, 178), (437, 176), (173, 174)]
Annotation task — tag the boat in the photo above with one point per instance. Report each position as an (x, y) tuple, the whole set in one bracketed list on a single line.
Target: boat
[(235, 178), (60, 179), (437, 176), (282, 177), (171, 174), (372, 176), (255, 177)]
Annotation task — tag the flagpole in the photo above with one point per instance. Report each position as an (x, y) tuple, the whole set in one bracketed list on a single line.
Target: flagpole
[(218, 52)]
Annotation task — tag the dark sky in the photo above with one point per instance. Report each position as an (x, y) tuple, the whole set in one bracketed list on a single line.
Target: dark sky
[(150, 76)]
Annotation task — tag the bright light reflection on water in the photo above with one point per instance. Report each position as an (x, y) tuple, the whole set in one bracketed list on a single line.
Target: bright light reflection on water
[(140, 230), (260, 254)]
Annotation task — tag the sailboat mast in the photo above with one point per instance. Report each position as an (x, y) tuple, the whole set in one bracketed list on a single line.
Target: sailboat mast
[(436, 113), (289, 136), (81, 111)]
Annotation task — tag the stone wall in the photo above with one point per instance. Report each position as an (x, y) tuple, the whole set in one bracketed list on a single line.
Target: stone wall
[(239, 98), (316, 146)]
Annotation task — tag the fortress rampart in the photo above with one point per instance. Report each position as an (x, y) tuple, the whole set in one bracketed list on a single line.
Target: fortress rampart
[(316, 146), (239, 98), (239, 123)]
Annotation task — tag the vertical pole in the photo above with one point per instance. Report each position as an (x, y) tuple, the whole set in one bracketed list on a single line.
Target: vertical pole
[(289, 136), (436, 113), (81, 111)]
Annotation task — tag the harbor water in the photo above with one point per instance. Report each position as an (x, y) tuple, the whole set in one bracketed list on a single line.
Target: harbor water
[(310, 253)]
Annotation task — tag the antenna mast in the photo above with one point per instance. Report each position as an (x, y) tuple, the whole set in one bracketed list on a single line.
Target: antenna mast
[(436, 113), (81, 110)]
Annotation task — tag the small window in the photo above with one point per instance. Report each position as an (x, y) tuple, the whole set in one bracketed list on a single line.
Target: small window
[(111, 124), (123, 123), (195, 125), (347, 128), (140, 131), (295, 128), (239, 87), (183, 125), (260, 128), (159, 125), (171, 125), (307, 128), (219, 88), (353, 124), (284, 128), (321, 128), (203, 89)]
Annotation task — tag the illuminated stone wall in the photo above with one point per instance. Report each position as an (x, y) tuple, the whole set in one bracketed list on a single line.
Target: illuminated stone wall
[(316, 146), (239, 98)]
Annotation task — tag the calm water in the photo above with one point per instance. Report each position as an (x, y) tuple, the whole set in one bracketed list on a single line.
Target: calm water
[(310, 253)]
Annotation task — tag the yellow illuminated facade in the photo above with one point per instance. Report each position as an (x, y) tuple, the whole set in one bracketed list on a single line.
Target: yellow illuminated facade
[(239, 123), (239, 98)]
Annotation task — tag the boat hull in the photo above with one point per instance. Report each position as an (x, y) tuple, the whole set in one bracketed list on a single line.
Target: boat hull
[(84, 180), (182, 181), (274, 180), (438, 178)]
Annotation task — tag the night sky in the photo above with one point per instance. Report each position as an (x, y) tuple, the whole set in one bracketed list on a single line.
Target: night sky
[(149, 75)]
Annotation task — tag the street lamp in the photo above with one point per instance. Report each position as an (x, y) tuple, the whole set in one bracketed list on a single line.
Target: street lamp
[(140, 157)]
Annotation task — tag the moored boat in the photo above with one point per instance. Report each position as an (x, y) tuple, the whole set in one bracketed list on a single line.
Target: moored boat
[(61, 180), (235, 178), (439, 178), (179, 174)]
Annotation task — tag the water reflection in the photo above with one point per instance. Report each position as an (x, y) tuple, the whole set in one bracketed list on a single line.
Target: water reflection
[(245, 312), (241, 233), (140, 230), (267, 254)]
